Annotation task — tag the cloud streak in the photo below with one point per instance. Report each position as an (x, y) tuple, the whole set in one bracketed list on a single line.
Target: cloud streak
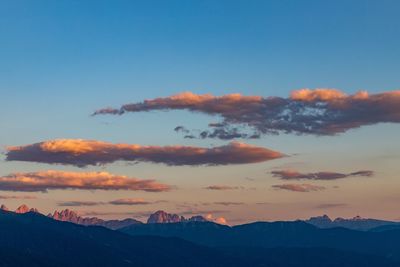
[(79, 203), (305, 111), (17, 197), (130, 202), (299, 187), (60, 180), (81, 153), (295, 175), (222, 187)]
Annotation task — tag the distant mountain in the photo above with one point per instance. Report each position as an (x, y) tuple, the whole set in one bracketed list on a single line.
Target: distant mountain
[(21, 209), (296, 234), (164, 217), (71, 216), (356, 223)]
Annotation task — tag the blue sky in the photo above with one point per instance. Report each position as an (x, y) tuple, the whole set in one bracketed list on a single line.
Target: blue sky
[(61, 60)]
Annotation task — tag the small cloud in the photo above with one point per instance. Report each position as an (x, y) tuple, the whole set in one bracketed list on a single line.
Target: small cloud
[(222, 187), (79, 203), (299, 187), (331, 205), (227, 203), (295, 175), (219, 220), (130, 201), (16, 197)]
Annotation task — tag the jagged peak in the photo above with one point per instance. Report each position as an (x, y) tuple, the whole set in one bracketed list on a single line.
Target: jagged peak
[(3, 207), (22, 209), (161, 216)]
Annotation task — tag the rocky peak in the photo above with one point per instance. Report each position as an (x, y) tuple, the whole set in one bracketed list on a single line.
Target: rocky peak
[(3, 207), (22, 209), (163, 217), (66, 215)]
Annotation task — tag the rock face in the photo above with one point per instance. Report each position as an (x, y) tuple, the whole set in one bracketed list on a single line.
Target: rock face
[(164, 217), (24, 209), (71, 216)]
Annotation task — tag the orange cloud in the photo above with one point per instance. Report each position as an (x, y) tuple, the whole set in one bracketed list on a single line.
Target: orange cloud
[(53, 180), (299, 187), (89, 152), (295, 175), (219, 220), (317, 95), (318, 112)]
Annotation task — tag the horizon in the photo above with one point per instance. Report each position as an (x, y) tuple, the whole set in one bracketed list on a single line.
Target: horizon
[(261, 111)]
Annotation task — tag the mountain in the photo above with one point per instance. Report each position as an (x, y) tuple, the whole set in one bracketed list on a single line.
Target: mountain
[(297, 234), (356, 223), (164, 217), (34, 238), (71, 216), (31, 239)]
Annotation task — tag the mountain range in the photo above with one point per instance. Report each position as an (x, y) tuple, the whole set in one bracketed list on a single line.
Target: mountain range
[(32, 239), (160, 217)]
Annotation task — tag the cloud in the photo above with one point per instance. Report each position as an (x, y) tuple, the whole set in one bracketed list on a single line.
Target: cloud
[(222, 187), (305, 111), (79, 203), (130, 201), (227, 203), (331, 205), (299, 187), (81, 153), (295, 175), (53, 180), (219, 220), (17, 197)]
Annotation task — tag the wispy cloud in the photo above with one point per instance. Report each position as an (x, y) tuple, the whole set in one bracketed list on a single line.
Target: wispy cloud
[(78, 203), (130, 201), (16, 197), (222, 187), (299, 187), (330, 205), (305, 111), (295, 175), (228, 203), (53, 180), (88, 152)]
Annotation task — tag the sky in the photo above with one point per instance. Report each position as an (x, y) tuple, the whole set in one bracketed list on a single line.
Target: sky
[(63, 60)]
